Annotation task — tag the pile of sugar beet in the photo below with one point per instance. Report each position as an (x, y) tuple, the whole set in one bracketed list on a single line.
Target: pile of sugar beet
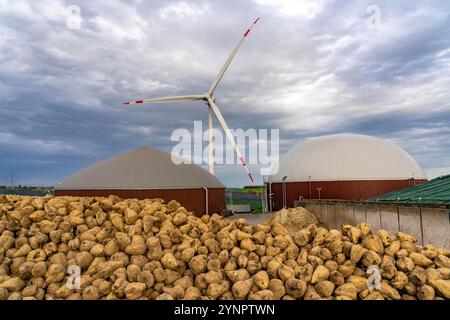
[(147, 249)]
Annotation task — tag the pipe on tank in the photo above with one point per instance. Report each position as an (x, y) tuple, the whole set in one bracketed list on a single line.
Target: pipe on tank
[(206, 200), (270, 197), (283, 186)]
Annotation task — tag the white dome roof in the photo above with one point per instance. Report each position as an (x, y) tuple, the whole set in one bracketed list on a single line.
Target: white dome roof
[(142, 168), (347, 157)]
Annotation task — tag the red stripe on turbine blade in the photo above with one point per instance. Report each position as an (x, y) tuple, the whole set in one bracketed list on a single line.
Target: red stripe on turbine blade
[(256, 20), (246, 32), (126, 103), (242, 160), (139, 101), (250, 176)]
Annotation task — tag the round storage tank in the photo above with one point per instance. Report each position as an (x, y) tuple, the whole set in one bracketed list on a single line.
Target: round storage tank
[(147, 173), (344, 167)]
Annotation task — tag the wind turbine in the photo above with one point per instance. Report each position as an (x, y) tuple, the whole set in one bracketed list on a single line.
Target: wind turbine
[(209, 98)]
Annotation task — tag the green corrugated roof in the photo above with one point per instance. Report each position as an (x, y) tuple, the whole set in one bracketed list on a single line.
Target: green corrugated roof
[(434, 191)]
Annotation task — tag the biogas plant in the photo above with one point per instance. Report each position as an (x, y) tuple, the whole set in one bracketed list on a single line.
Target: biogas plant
[(343, 217)]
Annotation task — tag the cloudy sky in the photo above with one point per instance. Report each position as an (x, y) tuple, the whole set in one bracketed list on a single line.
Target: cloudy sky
[(309, 68)]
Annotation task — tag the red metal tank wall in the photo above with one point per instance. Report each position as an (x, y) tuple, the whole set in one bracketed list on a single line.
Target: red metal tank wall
[(191, 199), (336, 190)]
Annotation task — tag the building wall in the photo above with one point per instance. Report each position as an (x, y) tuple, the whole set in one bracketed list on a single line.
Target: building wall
[(337, 190), (191, 199), (428, 224)]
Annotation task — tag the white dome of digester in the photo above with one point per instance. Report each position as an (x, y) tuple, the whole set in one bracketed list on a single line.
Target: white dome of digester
[(347, 157)]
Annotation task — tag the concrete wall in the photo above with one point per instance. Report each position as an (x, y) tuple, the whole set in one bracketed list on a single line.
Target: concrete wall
[(435, 226), (429, 225)]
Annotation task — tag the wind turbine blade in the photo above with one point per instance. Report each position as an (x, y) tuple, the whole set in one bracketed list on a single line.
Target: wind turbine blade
[(230, 137), (230, 58), (168, 99)]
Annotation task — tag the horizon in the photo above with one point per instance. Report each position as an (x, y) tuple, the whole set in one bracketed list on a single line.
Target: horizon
[(309, 69)]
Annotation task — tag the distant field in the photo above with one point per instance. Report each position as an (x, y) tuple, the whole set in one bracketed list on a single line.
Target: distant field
[(247, 195), (254, 204), (252, 190), (27, 191)]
